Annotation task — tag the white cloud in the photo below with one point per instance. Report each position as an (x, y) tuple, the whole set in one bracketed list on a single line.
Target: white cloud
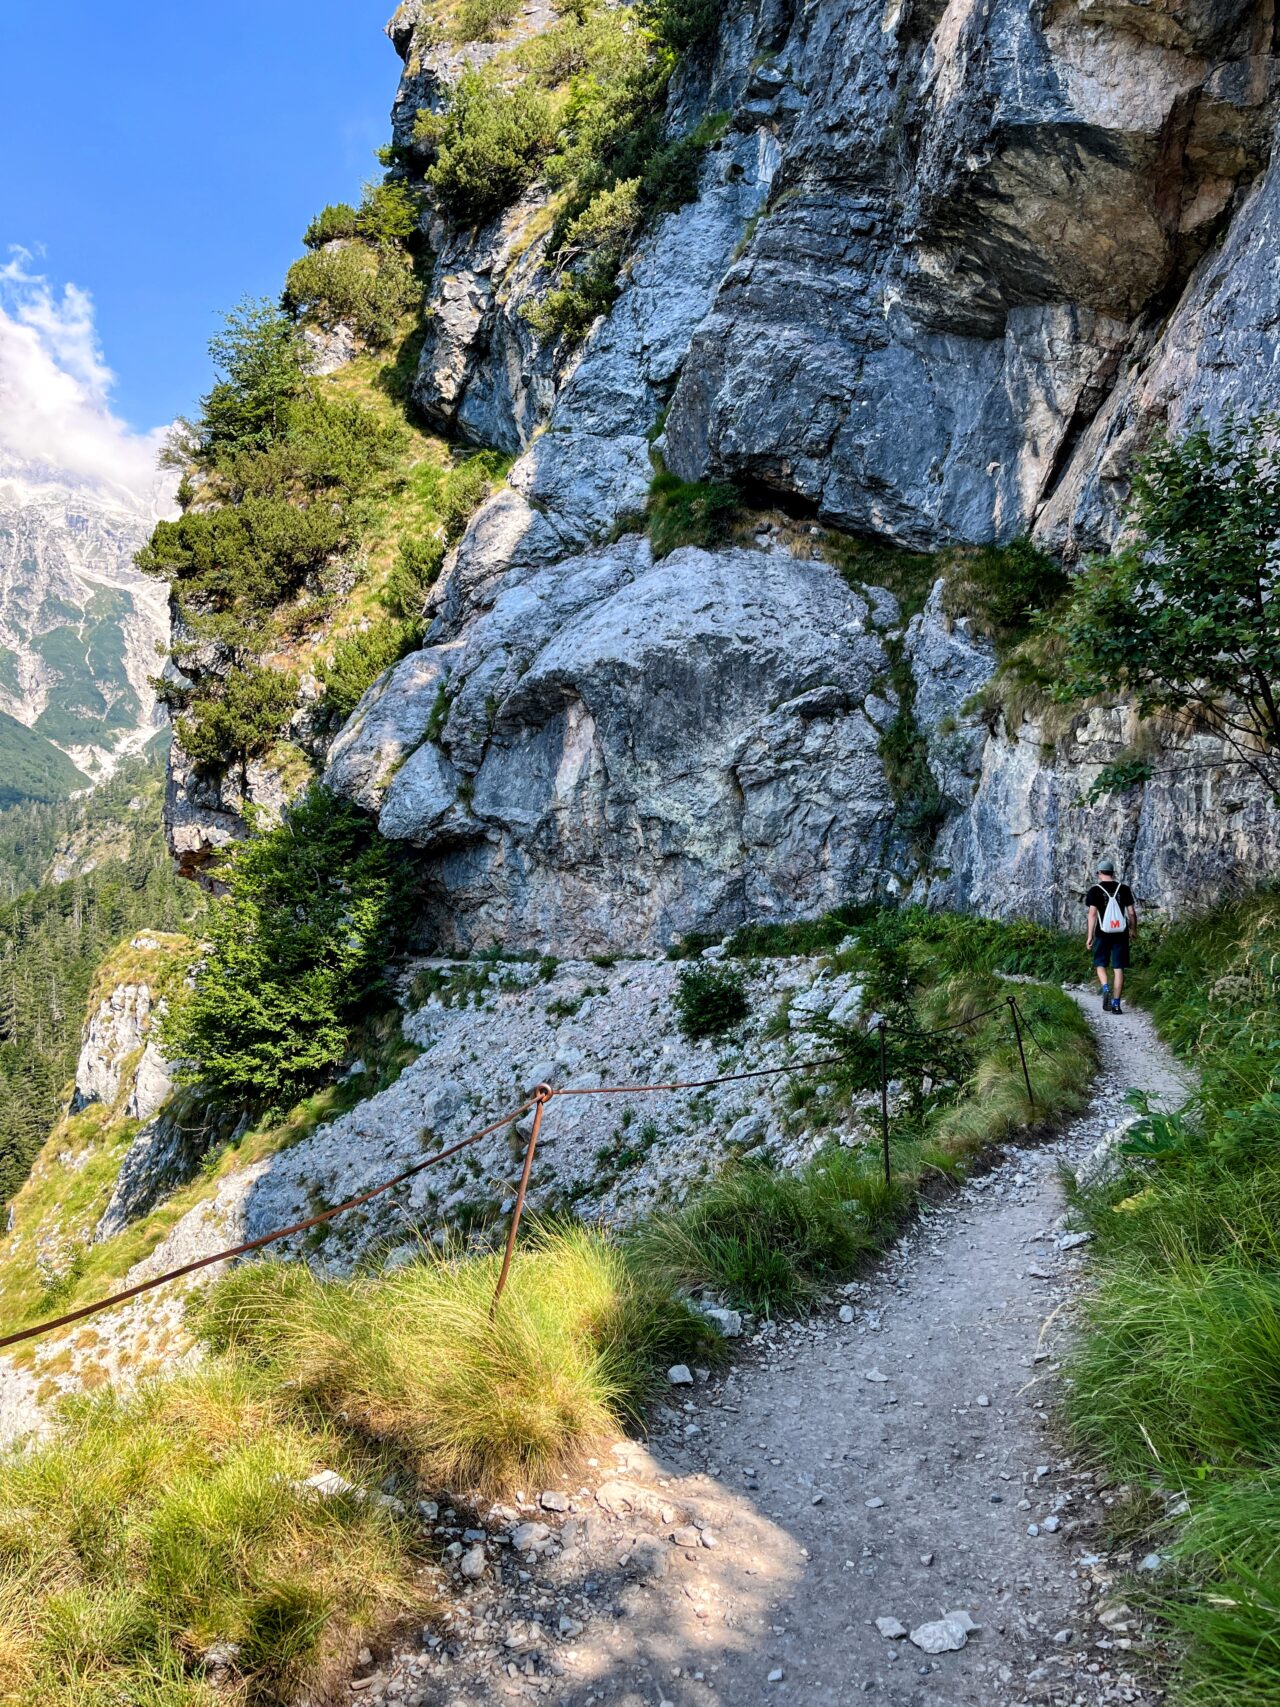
[(55, 387)]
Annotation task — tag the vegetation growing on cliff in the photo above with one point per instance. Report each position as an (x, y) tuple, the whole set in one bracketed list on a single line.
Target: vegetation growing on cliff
[(579, 107), (1185, 616), (299, 947)]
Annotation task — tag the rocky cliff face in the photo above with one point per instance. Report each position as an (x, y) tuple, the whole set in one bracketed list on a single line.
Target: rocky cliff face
[(948, 269), (80, 628)]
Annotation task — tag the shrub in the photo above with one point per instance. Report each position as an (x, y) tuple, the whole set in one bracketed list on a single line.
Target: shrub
[(483, 20), (370, 290), (238, 718), (1183, 617), (261, 358), (247, 555), (488, 145), (710, 1000), (332, 224), (313, 910), (689, 27), (360, 658), (414, 573), (689, 512), (389, 214)]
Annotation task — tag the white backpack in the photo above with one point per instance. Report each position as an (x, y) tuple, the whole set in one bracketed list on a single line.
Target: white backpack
[(1113, 919)]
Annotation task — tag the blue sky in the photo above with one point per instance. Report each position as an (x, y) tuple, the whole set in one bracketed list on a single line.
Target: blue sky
[(164, 160)]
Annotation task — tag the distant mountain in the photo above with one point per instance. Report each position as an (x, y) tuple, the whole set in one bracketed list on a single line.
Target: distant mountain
[(79, 629)]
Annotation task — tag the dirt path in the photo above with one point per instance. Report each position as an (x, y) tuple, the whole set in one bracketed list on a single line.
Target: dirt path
[(898, 1463)]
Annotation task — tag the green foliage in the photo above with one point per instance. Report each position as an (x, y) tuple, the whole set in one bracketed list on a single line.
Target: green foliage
[(1184, 617), (1004, 588), (336, 223), (150, 1528), (238, 718), (411, 1361), (389, 214), (688, 27), (360, 658), (768, 1240), (414, 573), (260, 356), (312, 914), (920, 807), (483, 20), (367, 288), (245, 556), (488, 145), (1119, 777), (32, 768), (689, 512), (53, 938), (710, 1000)]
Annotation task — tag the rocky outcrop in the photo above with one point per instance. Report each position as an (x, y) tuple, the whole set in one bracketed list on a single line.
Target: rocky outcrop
[(620, 751), (979, 221), (1024, 838), (947, 270), (117, 1047)]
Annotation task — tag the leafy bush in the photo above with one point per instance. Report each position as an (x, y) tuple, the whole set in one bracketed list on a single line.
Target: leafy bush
[(414, 573), (689, 512), (249, 554), (360, 658), (488, 145), (710, 1000), (313, 910), (334, 223), (1184, 616), (370, 290), (238, 718), (689, 27), (261, 358)]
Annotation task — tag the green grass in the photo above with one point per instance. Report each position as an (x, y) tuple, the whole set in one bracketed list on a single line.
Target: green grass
[(1176, 1382), (152, 1527)]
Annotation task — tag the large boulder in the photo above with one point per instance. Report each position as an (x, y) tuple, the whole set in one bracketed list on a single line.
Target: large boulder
[(637, 749)]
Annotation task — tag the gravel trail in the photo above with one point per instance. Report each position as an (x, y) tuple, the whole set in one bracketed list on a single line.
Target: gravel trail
[(896, 1464)]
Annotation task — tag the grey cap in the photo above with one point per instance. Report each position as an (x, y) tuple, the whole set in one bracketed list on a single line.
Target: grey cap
[(1107, 865)]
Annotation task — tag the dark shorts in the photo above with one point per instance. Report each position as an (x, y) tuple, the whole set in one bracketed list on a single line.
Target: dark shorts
[(1111, 950)]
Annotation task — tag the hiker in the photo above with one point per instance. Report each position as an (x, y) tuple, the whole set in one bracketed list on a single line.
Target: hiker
[(1113, 924)]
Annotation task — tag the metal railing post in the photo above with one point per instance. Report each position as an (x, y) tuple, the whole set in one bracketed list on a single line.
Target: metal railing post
[(1022, 1054), (543, 1096), (884, 1106)]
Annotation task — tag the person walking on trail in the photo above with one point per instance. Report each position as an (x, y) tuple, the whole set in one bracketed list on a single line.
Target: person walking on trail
[(1113, 925)]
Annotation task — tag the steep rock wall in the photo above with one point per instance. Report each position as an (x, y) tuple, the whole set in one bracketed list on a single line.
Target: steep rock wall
[(947, 270)]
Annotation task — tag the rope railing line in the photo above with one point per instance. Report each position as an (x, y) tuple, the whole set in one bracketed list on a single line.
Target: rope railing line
[(543, 1095), (154, 1281)]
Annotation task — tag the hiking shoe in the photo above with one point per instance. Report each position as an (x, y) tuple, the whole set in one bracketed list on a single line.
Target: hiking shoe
[(1106, 998), (1115, 1006)]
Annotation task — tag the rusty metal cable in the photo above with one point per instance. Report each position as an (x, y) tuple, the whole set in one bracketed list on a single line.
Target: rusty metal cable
[(543, 1095)]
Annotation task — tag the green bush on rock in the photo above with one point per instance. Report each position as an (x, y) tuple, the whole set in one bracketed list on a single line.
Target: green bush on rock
[(710, 1000), (299, 947)]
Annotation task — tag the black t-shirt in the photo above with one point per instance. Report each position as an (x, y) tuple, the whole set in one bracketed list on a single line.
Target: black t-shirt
[(1098, 897)]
